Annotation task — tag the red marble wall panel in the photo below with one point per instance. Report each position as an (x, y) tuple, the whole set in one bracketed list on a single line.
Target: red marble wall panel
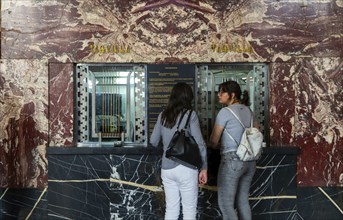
[(23, 123), (295, 29), (306, 111), (40, 29), (318, 121), (282, 104), (61, 104), (172, 30), (302, 41)]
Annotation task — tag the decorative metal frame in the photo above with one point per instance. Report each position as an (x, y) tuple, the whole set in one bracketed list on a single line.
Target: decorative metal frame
[(205, 96), (83, 126)]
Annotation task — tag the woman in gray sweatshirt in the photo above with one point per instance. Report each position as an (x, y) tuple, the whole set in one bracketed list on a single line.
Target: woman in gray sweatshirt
[(180, 182)]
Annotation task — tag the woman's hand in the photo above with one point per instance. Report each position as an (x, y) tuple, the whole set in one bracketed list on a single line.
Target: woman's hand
[(203, 177)]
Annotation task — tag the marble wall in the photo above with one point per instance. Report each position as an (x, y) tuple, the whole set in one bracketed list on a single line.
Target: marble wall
[(24, 123), (300, 39)]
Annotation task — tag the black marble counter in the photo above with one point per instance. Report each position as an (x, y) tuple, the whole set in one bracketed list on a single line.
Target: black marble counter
[(147, 150), (132, 150), (124, 183)]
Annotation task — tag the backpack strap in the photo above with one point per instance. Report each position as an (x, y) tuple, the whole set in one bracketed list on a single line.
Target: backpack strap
[(231, 137), (251, 124), (239, 122)]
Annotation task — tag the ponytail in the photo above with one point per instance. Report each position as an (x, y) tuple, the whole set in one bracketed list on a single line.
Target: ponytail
[(245, 100), (233, 87)]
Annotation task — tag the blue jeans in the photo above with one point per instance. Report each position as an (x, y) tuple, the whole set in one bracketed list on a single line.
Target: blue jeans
[(234, 180)]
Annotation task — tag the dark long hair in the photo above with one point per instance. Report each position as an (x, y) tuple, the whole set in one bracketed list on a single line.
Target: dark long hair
[(180, 99), (233, 87)]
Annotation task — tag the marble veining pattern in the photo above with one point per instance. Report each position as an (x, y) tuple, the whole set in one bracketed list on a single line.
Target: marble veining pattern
[(61, 104), (130, 185), (40, 40), (23, 203), (135, 186), (84, 187), (318, 120), (33, 204), (282, 101), (79, 187), (23, 123), (307, 112)]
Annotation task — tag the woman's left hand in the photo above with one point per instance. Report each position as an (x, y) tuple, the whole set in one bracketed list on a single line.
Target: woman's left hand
[(203, 177)]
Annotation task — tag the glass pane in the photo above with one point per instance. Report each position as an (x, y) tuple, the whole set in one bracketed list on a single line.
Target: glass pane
[(106, 103), (251, 77), (110, 98)]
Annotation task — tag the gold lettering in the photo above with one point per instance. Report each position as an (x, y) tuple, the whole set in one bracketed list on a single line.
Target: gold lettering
[(225, 48), (102, 49), (237, 46), (109, 48), (213, 47), (122, 49), (115, 50), (96, 49)]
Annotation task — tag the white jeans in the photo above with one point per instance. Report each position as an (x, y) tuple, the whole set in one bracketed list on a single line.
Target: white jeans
[(180, 183)]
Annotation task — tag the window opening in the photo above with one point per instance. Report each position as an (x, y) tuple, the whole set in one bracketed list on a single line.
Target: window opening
[(251, 77), (111, 103)]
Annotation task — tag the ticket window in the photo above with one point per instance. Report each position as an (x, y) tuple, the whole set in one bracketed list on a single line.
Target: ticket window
[(110, 103), (252, 77), (111, 99)]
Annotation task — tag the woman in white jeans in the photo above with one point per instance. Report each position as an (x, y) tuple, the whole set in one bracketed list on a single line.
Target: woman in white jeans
[(180, 182), (234, 175)]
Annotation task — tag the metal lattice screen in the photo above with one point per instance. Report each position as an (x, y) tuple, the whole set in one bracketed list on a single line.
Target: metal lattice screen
[(251, 77)]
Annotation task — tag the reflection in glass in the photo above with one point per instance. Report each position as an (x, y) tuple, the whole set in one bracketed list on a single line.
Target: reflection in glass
[(251, 77), (109, 96)]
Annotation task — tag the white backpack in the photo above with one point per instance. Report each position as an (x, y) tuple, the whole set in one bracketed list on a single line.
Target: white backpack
[(250, 146)]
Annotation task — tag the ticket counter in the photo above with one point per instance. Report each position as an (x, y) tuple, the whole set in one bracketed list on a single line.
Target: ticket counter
[(124, 182)]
